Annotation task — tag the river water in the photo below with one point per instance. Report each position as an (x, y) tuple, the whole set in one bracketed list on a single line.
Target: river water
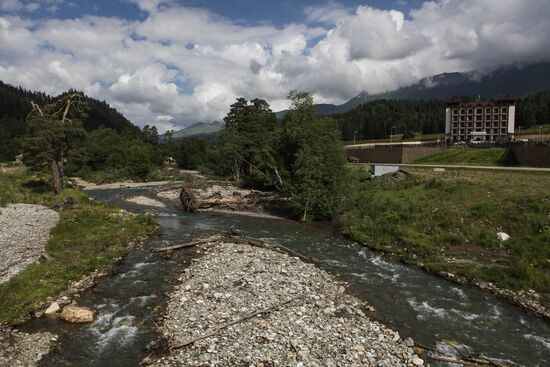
[(431, 310)]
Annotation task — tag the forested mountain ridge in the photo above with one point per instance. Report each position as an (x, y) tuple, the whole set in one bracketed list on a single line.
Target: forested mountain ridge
[(512, 80), (15, 105)]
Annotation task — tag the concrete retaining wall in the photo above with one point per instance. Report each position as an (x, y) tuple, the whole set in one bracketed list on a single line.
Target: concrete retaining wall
[(532, 156), (391, 153)]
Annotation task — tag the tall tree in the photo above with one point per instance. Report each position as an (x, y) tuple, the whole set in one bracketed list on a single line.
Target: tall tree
[(247, 138), (312, 160), (54, 134)]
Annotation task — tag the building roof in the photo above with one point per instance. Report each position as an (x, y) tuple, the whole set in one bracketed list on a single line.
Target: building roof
[(482, 102)]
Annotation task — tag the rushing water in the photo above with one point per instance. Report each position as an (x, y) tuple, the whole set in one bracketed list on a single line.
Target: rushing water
[(431, 310)]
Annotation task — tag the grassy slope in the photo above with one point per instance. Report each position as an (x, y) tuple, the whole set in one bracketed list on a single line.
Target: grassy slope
[(88, 236), (448, 221), (469, 156)]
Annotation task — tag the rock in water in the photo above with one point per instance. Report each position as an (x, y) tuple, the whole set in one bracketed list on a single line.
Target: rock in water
[(53, 309), (77, 315)]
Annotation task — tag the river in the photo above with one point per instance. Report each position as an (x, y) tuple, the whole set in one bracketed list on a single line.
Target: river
[(427, 308)]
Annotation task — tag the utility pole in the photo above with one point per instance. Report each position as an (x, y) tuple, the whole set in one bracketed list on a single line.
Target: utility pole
[(540, 133), (354, 134), (391, 133)]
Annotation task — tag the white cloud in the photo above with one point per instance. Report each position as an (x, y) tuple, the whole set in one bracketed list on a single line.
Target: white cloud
[(181, 65), (10, 5)]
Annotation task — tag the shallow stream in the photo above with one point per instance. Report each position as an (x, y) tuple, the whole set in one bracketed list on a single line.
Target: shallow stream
[(429, 309)]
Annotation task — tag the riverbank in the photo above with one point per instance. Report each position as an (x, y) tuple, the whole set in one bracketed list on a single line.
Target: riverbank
[(88, 237), (301, 315), (488, 229)]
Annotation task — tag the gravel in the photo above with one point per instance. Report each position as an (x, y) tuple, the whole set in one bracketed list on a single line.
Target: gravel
[(24, 231), (22, 349), (144, 200), (326, 327)]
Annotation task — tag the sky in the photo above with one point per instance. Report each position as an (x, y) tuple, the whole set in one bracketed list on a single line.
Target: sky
[(172, 63)]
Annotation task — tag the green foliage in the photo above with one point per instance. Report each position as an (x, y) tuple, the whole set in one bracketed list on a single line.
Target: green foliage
[(89, 236), (150, 134), (311, 159), (244, 146), (47, 139), (374, 120), (449, 222), (116, 156), (192, 153)]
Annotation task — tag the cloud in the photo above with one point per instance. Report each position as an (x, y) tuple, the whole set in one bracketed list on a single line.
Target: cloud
[(189, 64), (10, 5)]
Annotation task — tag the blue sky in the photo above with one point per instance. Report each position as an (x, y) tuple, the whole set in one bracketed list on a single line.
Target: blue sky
[(175, 62)]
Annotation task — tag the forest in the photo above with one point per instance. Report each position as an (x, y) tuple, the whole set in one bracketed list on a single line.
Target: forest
[(374, 120)]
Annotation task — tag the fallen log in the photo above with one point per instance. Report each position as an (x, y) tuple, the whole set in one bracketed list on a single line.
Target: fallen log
[(467, 362), (231, 323), (190, 244)]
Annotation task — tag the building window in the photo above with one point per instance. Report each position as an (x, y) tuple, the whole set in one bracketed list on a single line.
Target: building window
[(488, 118), (504, 110), (479, 118), (462, 111), (495, 110), (479, 111), (455, 111), (470, 111)]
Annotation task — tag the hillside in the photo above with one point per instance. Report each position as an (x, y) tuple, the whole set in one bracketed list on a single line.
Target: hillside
[(512, 80), (200, 128), (15, 105)]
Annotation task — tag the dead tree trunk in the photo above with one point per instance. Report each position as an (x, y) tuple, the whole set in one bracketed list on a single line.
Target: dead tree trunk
[(57, 176), (188, 199)]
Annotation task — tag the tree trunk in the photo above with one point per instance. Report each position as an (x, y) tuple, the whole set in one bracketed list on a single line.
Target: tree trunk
[(57, 176), (237, 169)]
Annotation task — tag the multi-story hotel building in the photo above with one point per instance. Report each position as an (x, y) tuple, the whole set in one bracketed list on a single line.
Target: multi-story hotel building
[(480, 120)]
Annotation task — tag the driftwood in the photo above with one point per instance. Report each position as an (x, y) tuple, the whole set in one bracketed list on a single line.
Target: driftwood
[(47, 257), (190, 244), (233, 236), (188, 199), (467, 360), (231, 323)]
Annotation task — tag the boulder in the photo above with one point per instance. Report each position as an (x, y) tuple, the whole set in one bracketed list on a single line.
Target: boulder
[(52, 309), (77, 315)]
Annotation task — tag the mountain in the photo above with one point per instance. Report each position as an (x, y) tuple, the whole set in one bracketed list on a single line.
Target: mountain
[(513, 80), (200, 128)]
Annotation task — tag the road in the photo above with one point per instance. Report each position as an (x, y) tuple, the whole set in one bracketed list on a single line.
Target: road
[(494, 168)]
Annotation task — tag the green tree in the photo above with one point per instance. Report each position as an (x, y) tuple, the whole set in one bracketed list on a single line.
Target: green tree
[(247, 139), (191, 153), (54, 135), (311, 159), (150, 134)]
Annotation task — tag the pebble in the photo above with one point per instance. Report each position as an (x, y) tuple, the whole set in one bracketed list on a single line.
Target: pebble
[(326, 324)]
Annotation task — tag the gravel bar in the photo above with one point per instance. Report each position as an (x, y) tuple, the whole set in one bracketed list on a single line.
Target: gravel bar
[(324, 327), (24, 231)]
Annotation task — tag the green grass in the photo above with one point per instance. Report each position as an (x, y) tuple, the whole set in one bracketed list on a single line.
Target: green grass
[(89, 236), (470, 156), (448, 222)]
